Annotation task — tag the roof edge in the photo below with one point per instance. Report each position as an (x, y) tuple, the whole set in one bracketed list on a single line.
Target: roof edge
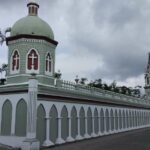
[(31, 37)]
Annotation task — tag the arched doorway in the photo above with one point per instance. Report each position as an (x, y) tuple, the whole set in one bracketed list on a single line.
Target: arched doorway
[(89, 120), (53, 124), (21, 118), (65, 123), (41, 124), (96, 122), (74, 123), (6, 118), (82, 121)]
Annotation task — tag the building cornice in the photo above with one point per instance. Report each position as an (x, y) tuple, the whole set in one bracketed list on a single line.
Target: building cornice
[(33, 37), (57, 93)]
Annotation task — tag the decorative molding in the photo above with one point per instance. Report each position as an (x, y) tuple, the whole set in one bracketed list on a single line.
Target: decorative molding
[(33, 37), (29, 40)]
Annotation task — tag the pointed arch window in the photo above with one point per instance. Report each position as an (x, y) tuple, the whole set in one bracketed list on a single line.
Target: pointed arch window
[(48, 64), (32, 61), (15, 62)]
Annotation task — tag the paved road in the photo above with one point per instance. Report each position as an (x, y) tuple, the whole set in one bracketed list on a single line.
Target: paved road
[(133, 140)]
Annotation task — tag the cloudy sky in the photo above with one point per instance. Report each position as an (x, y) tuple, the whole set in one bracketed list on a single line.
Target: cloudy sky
[(107, 39)]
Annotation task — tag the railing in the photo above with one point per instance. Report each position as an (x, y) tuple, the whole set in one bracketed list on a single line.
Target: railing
[(92, 91)]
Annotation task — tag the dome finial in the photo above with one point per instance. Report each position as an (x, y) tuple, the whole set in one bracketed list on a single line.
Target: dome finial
[(32, 1), (33, 7)]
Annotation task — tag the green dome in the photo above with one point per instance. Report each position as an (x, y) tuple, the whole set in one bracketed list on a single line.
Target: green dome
[(32, 25)]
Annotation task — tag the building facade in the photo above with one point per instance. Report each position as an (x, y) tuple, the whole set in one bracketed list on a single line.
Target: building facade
[(39, 110)]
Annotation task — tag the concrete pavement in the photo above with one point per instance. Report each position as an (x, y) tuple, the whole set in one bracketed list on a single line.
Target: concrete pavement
[(132, 140)]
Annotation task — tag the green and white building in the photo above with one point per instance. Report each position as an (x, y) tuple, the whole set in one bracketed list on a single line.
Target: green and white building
[(37, 109)]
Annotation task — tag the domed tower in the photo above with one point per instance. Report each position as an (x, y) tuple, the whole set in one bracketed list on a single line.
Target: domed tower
[(31, 49), (147, 78)]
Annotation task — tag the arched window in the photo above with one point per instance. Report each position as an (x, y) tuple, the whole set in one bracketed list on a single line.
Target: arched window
[(48, 64), (32, 61), (15, 62)]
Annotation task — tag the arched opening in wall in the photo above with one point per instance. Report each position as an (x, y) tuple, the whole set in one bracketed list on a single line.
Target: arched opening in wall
[(74, 123), (127, 119), (53, 124), (133, 118), (6, 118), (89, 121), (148, 118), (21, 118), (123, 120), (82, 121), (112, 120), (116, 120), (142, 118), (33, 63), (48, 64), (138, 118), (107, 120), (145, 118), (130, 119), (41, 124), (102, 121), (96, 122), (120, 120), (64, 123), (15, 62)]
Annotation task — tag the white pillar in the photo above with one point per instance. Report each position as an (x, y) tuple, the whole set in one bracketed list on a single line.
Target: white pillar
[(110, 124), (13, 120), (0, 117), (119, 123), (105, 125), (99, 127), (59, 140), (31, 143), (86, 128), (32, 112), (69, 138), (79, 137), (114, 123), (93, 127), (48, 142), (125, 122)]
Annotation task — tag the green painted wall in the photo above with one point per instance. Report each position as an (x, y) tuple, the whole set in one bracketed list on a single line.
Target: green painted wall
[(24, 47)]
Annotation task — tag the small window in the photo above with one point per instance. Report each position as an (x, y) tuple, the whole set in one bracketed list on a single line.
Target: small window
[(33, 60), (147, 80), (48, 64), (15, 62), (32, 10)]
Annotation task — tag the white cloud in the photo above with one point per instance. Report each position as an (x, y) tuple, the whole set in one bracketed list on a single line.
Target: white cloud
[(97, 38)]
